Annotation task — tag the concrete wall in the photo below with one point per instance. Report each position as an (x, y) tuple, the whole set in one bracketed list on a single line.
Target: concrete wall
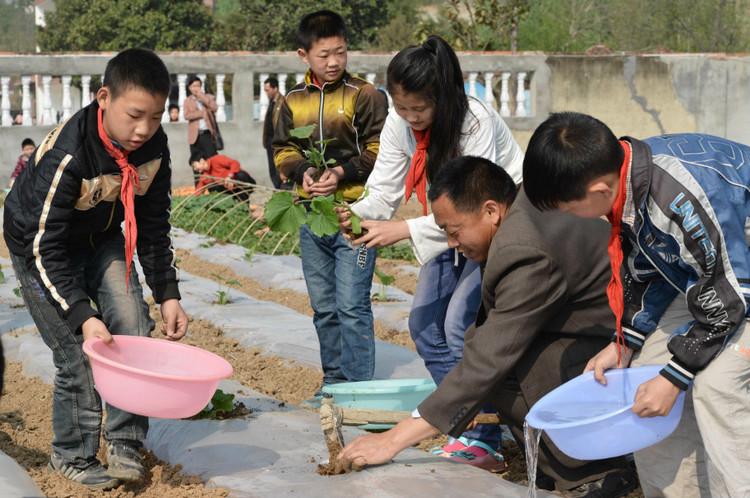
[(638, 95)]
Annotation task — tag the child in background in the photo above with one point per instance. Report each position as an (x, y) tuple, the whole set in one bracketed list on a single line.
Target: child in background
[(433, 121), (350, 111), (221, 166), (107, 164), (27, 148), (679, 207)]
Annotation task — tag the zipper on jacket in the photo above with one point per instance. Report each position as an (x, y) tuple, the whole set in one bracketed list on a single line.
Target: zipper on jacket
[(645, 255), (320, 116)]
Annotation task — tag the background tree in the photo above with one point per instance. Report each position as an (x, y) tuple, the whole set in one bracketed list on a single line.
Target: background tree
[(113, 25), (17, 30), (258, 25)]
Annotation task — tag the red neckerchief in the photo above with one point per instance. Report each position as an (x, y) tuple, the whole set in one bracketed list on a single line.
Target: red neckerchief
[(614, 248), (416, 179), (130, 182)]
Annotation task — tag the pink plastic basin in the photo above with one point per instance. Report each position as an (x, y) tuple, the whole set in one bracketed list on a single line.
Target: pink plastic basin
[(154, 377)]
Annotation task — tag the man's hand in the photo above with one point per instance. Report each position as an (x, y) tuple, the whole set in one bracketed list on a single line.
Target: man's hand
[(93, 327), (607, 359), (228, 183), (372, 449), (328, 182), (382, 233), (375, 449), (655, 397), (175, 321)]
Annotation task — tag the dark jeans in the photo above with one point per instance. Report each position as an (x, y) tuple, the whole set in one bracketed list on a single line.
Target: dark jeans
[(445, 305), (339, 281), (272, 171), (76, 406), (551, 361)]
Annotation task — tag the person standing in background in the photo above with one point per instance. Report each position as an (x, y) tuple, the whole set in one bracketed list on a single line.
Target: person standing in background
[(275, 99), (199, 109)]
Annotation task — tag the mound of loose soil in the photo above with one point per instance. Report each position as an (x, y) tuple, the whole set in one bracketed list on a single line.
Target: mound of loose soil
[(26, 435)]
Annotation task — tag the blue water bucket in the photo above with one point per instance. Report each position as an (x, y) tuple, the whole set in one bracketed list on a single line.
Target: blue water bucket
[(389, 395), (589, 421)]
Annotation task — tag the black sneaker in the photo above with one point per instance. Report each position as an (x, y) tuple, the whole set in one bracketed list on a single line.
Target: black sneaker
[(613, 485), (124, 461), (92, 474)]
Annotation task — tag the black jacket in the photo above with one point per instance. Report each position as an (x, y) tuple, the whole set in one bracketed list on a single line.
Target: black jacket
[(67, 200)]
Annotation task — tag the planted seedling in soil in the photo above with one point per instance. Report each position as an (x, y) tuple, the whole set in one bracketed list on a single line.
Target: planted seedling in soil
[(221, 407), (222, 294), (385, 280)]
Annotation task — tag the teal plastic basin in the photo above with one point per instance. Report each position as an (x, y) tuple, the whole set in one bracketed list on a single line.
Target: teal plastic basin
[(389, 395)]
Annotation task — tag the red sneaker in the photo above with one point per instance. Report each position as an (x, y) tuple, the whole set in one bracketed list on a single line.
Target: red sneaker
[(480, 455)]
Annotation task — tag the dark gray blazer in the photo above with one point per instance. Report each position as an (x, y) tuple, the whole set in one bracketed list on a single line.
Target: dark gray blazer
[(546, 273)]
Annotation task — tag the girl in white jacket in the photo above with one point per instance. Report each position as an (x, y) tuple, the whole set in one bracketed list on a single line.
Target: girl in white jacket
[(432, 121)]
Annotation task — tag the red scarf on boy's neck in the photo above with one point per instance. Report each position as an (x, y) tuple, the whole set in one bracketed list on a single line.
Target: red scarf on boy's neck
[(130, 182), (614, 248), (416, 178)]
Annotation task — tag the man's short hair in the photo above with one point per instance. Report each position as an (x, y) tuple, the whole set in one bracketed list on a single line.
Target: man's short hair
[(196, 156), (318, 25), (27, 141), (174, 106), (137, 68), (470, 181), (272, 82), (565, 153)]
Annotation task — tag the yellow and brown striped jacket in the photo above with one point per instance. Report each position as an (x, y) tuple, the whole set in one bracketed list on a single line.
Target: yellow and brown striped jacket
[(350, 110)]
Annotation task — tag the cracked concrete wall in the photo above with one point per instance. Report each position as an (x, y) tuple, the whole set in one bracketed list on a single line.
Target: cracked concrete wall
[(633, 95)]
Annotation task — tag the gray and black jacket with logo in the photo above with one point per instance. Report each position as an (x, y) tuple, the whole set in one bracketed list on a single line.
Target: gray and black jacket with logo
[(68, 200)]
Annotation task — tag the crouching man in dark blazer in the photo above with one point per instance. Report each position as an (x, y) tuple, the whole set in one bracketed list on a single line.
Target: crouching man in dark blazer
[(544, 314)]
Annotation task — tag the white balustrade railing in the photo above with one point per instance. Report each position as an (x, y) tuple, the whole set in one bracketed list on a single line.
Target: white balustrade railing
[(6, 120), (501, 83)]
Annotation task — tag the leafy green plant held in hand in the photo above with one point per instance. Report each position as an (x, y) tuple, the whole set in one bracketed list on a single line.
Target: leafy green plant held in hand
[(316, 155), (385, 280), (285, 213)]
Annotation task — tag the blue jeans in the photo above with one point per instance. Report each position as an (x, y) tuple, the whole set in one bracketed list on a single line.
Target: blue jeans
[(339, 281), (76, 406), (445, 304)]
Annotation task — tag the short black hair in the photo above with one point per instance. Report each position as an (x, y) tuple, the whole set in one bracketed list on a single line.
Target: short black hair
[(192, 78), (564, 155), (196, 156), (470, 181), (139, 68), (317, 25), (27, 141), (272, 82), (174, 106)]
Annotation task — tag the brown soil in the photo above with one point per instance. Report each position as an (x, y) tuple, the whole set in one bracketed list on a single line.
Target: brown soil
[(297, 301), (26, 433), (405, 281)]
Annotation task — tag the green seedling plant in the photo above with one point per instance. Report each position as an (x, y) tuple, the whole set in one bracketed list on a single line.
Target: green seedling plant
[(221, 406), (222, 294), (385, 280), (2, 275), (284, 212)]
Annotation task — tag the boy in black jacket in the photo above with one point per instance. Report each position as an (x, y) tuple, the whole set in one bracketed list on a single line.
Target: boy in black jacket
[(106, 164)]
